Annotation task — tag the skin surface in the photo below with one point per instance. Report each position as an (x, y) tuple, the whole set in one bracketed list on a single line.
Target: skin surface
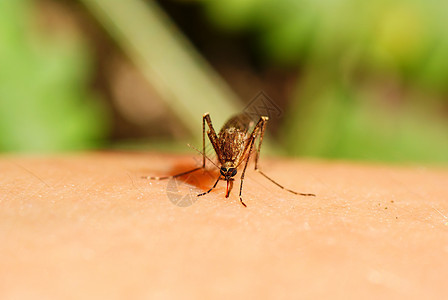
[(87, 226)]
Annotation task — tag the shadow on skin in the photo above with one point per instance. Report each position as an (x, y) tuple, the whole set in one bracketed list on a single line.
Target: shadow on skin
[(203, 179)]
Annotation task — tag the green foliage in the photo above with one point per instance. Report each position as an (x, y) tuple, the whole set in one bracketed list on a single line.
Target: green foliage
[(351, 51), (341, 122), (408, 37), (44, 101)]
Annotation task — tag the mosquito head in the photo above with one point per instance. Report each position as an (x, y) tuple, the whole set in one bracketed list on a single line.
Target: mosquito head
[(228, 173)]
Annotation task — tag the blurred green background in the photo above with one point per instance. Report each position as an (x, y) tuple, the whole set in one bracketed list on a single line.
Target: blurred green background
[(351, 79)]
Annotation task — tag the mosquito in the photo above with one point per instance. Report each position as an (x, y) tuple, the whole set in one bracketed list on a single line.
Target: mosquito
[(233, 145)]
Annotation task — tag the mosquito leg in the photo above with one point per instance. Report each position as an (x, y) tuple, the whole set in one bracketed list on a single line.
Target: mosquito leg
[(202, 194), (206, 118), (203, 141), (251, 143), (262, 125), (172, 176), (248, 150), (281, 186), (212, 136)]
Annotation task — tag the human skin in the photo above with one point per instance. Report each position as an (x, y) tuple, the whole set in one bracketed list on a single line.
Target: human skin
[(88, 226)]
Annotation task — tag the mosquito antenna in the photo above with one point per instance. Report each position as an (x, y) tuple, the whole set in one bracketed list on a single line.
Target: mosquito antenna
[(191, 146)]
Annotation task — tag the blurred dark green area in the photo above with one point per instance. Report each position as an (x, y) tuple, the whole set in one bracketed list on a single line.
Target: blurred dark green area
[(45, 104), (354, 79)]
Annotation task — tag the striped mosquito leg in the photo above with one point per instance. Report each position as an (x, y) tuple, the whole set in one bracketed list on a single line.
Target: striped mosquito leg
[(202, 194), (172, 176), (245, 166), (255, 132), (264, 121), (281, 186)]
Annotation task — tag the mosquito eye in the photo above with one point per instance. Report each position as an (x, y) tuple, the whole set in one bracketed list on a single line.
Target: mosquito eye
[(233, 172), (223, 171)]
